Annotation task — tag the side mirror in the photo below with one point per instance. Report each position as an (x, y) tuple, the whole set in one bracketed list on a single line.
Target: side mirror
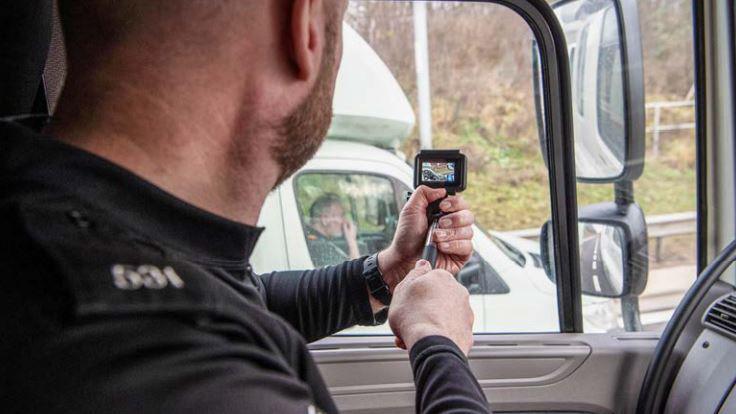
[(480, 278), (470, 277), (604, 50), (613, 250)]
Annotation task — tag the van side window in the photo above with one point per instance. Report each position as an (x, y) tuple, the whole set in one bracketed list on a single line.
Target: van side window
[(345, 215), (349, 215)]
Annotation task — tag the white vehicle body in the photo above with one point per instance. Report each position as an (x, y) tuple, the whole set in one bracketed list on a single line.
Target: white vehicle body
[(371, 110)]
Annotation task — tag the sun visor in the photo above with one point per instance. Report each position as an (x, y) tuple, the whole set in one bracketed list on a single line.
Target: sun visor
[(369, 104)]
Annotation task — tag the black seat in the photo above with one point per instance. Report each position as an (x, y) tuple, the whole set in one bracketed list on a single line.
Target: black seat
[(32, 60)]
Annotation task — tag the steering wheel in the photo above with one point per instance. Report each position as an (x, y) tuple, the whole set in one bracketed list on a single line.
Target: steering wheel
[(651, 396)]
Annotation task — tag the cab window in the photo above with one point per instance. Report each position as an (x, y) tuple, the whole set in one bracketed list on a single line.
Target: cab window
[(481, 102)]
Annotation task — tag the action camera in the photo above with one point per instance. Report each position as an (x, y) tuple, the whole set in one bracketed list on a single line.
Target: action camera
[(441, 169)]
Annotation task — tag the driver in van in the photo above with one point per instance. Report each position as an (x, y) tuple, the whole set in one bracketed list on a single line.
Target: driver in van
[(331, 237), (129, 223)]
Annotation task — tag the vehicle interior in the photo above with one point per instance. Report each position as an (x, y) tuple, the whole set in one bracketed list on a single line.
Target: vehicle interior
[(595, 125)]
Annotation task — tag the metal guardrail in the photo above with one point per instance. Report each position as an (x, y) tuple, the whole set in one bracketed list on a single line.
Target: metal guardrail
[(658, 228), (657, 128), (678, 224)]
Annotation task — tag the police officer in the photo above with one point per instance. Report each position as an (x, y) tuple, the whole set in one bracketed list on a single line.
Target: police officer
[(127, 226)]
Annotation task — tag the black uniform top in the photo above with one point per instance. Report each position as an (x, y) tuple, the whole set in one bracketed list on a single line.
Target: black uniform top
[(116, 296)]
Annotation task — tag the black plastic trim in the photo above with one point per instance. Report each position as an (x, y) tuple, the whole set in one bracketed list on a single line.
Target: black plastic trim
[(701, 143), (732, 58), (25, 36)]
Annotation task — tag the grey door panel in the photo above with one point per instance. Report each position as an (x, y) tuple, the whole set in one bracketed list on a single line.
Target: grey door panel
[(493, 362), (729, 406), (594, 373)]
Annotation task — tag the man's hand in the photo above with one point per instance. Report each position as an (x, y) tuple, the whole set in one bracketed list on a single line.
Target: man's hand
[(431, 302), (453, 235), (350, 232)]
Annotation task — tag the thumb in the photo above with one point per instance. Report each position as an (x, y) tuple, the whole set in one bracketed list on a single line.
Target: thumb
[(420, 269), (424, 195)]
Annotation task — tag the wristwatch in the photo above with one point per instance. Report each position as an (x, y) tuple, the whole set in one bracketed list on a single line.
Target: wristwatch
[(373, 278)]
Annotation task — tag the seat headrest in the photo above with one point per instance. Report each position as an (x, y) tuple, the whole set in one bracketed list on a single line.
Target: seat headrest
[(25, 35), (54, 73)]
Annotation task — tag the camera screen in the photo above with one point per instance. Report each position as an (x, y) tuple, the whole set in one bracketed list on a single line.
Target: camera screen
[(438, 172)]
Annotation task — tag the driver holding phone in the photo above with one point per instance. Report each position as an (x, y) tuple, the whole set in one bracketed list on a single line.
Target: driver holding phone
[(331, 237)]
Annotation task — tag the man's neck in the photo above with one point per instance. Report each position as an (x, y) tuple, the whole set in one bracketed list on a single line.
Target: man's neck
[(201, 155)]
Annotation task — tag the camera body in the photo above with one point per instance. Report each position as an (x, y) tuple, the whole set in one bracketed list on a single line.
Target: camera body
[(441, 169)]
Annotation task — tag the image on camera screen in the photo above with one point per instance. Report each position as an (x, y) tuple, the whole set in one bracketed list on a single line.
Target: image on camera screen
[(438, 172)]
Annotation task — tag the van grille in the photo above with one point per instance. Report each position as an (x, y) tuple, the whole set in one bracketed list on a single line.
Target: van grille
[(722, 315)]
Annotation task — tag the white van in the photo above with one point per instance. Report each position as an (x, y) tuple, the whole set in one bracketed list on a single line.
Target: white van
[(509, 289)]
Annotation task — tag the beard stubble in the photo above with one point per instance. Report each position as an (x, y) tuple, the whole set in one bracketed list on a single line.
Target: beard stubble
[(303, 131)]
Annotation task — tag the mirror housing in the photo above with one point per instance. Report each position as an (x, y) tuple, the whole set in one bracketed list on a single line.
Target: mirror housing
[(603, 143), (627, 245), (470, 277), (480, 278)]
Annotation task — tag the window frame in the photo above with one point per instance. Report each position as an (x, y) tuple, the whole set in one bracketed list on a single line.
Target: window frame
[(558, 128), (707, 219)]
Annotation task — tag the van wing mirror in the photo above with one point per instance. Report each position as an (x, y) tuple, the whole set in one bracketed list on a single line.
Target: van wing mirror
[(604, 51), (613, 250)]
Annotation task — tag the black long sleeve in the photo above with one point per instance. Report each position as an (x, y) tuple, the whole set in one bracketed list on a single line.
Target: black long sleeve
[(321, 302), (443, 379), (116, 294)]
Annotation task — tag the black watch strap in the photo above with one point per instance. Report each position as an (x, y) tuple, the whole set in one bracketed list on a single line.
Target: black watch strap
[(376, 286)]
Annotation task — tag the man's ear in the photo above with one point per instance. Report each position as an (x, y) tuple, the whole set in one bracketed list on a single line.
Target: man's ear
[(307, 36)]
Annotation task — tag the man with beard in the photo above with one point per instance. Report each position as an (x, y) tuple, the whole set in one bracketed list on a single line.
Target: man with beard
[(128, 225)]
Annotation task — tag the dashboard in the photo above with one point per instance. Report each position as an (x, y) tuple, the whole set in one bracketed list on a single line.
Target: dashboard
[(705, 382)]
